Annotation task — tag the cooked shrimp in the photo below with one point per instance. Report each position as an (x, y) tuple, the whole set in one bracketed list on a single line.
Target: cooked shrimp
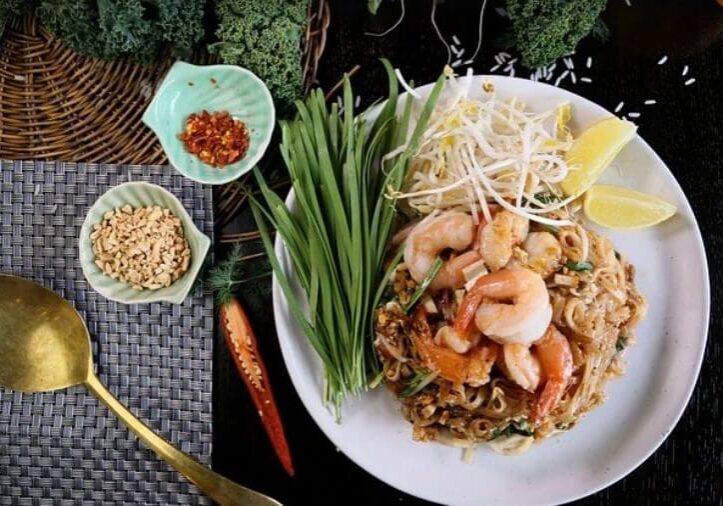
[(555, 357), (522, 320), (451, 274), (497, 238), (544, 253), (521, 366), (450, 230), (472, 368)]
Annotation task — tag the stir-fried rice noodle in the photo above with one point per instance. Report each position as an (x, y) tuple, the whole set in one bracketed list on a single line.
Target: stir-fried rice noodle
[(480, 156)]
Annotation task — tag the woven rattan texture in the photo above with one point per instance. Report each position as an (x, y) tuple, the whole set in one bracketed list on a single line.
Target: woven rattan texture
[(65, 447)]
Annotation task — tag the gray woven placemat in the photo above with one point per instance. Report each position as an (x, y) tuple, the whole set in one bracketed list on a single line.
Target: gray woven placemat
[(65, 447)]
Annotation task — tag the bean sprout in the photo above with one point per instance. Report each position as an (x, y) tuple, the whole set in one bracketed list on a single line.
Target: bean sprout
[(479, 150)]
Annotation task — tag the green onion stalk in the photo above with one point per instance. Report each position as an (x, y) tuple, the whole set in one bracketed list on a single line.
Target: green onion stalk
[(338, 231)]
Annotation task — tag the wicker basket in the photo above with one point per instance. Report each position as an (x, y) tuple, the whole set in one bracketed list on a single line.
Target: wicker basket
[(56, 104)]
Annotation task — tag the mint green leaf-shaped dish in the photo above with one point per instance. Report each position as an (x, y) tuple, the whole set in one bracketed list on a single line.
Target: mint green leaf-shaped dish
[(140, 194), (189, 89)]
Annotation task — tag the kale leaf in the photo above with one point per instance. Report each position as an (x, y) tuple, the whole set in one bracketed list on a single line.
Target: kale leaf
[(265, 37), (143, 30), (546, 30)]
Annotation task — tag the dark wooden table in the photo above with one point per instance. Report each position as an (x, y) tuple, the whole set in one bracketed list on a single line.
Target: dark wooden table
[(685, 127)]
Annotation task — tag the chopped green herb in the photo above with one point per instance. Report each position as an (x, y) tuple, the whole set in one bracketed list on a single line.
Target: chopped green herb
[(416, 383), (546, 198), (617, 255), (521, 427), (422, 287), (578, 266), (621, 343)]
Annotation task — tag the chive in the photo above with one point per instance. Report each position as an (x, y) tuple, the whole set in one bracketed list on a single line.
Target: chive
[(578, 266), (520, 427), (422, 287), (421, 379), (337, 237), (376, 380), (546, 198), (617, 255), (621, 343)]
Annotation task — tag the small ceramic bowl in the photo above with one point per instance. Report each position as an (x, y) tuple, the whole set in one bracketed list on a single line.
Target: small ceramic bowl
[(139, 194), (189, 89)]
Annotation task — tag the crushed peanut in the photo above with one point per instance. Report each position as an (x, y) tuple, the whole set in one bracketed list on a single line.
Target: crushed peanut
[(144, 247)]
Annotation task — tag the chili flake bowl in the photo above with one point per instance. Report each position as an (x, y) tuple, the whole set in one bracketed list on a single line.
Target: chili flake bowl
[(189, 89), (140, 194)]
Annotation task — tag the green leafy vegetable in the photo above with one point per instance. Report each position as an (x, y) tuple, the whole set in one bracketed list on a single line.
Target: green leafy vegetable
[(521, 427), (422, 287), (421, 378), (578, 266), (265, 37), (139, 29), (547, 198), (545, 30), (621, 343), (228, 274), (338, 232)]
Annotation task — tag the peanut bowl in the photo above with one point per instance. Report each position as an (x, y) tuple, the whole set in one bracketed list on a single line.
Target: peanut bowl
[(141, 195)]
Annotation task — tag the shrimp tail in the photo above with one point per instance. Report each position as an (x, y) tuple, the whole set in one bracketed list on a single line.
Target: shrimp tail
[(553, 352), (550, 395)]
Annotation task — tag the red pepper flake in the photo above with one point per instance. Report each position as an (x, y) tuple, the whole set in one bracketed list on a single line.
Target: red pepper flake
[(215, 138)]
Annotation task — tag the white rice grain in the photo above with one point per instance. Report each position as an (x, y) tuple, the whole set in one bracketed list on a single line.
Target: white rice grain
[(562, 76), (685, 71), (588, 63), (690, 81), (650, 102), (456, 40), (663, 60), (619, 107), (585, 79)]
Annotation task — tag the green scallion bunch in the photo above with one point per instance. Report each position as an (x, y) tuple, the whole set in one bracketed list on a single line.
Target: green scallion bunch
[(338, 231)]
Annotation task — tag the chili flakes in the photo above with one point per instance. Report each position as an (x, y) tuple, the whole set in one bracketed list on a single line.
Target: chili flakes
[(215, 138)]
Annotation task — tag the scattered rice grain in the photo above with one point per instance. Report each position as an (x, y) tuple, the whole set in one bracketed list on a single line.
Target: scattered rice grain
[(650, 102), (562, 76), (690, 81), (663, 60), (619, 107), (685, 71)]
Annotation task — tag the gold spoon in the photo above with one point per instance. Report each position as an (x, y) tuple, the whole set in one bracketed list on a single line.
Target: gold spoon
[(45, 346)]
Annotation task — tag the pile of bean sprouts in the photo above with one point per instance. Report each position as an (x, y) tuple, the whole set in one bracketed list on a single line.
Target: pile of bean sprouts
[(480, 149)]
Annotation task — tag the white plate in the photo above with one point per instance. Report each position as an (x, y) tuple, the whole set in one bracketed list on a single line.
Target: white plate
[(642, 407)]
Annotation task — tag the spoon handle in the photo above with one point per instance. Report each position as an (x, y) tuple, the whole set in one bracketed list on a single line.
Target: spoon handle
[(218, 488)]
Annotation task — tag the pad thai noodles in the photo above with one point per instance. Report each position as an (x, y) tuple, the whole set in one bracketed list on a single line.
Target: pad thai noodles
[(504, 317)]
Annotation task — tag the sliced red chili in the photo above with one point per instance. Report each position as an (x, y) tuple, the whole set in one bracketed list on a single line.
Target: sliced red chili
[(241, 342)]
